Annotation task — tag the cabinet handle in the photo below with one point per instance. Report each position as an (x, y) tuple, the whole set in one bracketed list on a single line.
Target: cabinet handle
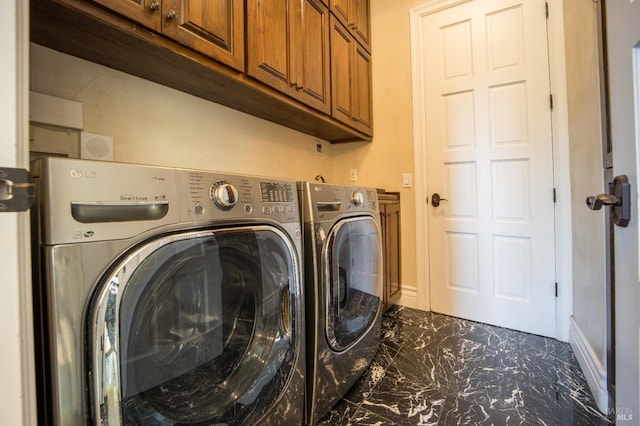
[(154, 6), (172, 15)]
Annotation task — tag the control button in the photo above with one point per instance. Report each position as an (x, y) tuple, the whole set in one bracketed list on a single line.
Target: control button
[(357, 198), (223, 194), (198, 210), (248, 209)]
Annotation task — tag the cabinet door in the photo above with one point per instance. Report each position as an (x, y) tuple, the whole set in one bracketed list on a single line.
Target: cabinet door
[(268, 37), (354, 15), (362, 110), (341, 71), (212, 27), (312, 55), (350, 79), (360, 25), (341, 9), (145, 12)]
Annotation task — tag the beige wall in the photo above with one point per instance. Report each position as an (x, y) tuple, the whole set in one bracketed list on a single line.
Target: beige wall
[(586, 172), (152, 124), (382, 163)]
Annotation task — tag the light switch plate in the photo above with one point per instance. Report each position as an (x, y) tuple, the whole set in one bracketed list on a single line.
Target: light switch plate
[(406, 180)]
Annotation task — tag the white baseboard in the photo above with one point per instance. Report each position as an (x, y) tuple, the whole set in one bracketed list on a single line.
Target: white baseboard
[(594, 371), (409, 297)]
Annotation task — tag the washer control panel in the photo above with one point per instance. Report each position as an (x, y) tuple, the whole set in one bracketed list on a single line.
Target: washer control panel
[(223, 194), (209, 195)]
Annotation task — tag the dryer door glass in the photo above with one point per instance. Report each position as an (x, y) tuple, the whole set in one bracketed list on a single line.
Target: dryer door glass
[(199, 329), (354, 280)]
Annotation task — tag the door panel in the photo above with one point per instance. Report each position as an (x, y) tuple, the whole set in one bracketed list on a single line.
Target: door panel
[(489, 156), (362, 92), (623, 66), (269, 58), (314, 73), (212, 27), (341, 63)]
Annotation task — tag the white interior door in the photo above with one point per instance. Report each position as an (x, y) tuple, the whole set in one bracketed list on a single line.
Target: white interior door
[(489, 154), (623, 51)]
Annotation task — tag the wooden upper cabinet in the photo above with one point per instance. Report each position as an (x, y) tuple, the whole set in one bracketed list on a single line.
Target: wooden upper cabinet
[(212, 27), (355, 16), (288, 48), (268, 43), (351, 79), (146, 12), (362, 91)]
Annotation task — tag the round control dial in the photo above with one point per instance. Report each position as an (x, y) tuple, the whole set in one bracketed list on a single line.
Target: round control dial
[(223, 194), (357, 198)]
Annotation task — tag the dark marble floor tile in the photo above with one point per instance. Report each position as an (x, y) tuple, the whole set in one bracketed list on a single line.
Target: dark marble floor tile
[(339, 414), (364, 417), (544, 348), (434, 369), (558, 392), (458, 411), (405, 402), (372, 376)]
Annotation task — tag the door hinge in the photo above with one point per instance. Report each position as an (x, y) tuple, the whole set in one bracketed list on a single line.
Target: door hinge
[(555, 198), (546, 9), (551, 101), (556, 289), (17, 192)]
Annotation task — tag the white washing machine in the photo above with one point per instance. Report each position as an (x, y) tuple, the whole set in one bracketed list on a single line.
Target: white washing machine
[(343, 288), (166, 296)]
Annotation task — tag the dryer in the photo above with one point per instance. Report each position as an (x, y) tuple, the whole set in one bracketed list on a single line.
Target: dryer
[(166, 296), (343, 288)]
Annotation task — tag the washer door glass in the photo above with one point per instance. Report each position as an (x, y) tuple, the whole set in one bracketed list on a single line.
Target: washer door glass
[(354, 280), (199, 329)]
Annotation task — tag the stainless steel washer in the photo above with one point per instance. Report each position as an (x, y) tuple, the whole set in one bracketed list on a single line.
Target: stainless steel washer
[(343, 281), (166, 296)]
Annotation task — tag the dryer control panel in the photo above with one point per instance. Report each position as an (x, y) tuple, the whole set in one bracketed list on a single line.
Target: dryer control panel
[(327, 201)]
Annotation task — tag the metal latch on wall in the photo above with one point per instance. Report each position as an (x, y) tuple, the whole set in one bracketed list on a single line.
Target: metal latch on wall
[(17, 192)]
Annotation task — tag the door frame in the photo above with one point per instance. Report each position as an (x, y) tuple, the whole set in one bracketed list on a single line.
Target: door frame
[(17, 397), (560, 134)]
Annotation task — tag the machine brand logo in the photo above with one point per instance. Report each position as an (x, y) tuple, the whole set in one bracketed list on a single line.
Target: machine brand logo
[(77, 174)]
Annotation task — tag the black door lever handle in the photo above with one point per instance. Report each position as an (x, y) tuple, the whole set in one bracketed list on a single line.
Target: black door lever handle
[(436, 199), (619, 198), (596, 202)]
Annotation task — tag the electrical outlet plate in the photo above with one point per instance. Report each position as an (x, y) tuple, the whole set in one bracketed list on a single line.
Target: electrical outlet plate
[(353, 175)]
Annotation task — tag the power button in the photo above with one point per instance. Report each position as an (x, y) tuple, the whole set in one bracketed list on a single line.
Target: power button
[(198, 210)]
